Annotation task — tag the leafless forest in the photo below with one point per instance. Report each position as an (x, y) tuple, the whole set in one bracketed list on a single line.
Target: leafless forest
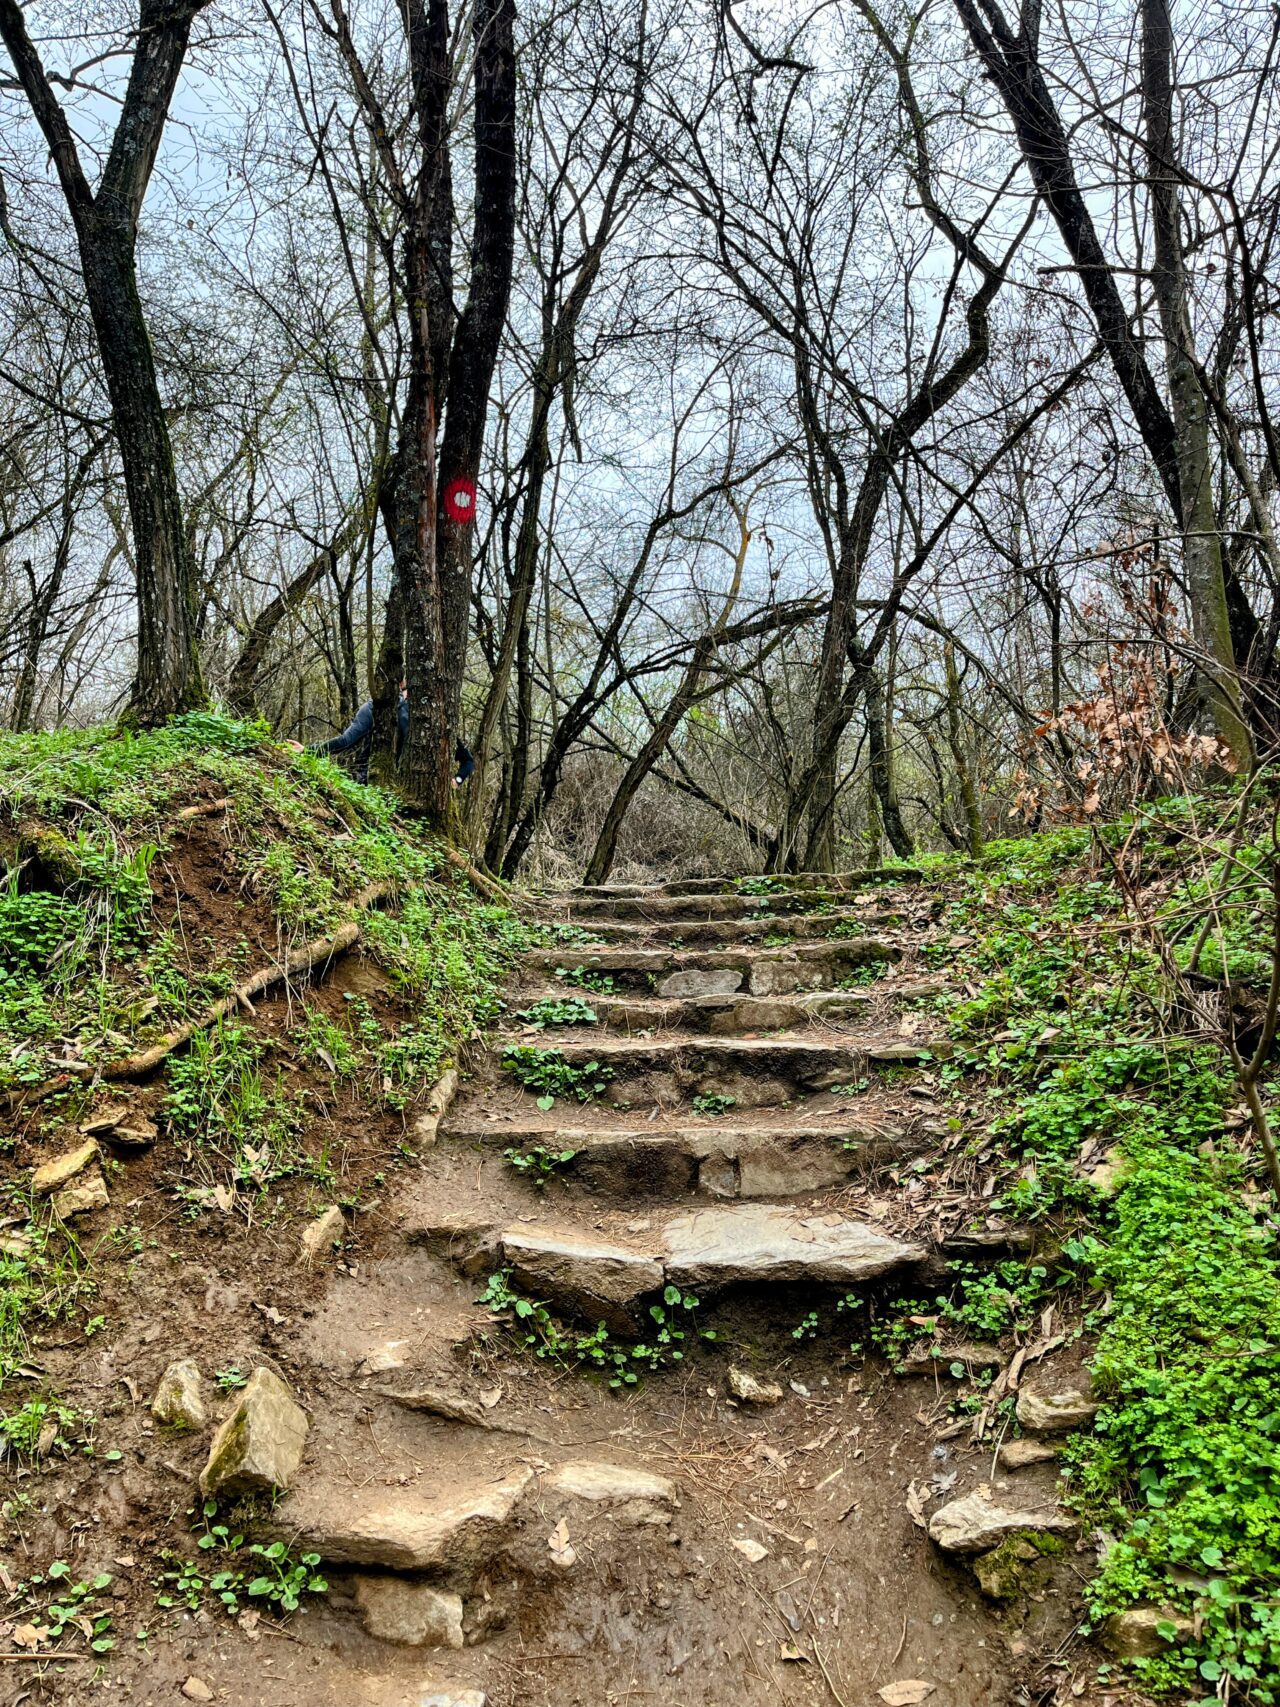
[(788, 435)]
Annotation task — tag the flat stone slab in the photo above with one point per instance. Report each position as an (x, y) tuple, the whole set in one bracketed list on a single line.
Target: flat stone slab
[(715, 1248), (591, 1277), (603, 1483), (411, 1613), (403, 1530), (975, 1524), (52, 1175)]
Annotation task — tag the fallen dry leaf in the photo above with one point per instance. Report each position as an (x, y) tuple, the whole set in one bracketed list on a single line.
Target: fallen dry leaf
[(908, 1693), (559, 1547), (916, 1498)]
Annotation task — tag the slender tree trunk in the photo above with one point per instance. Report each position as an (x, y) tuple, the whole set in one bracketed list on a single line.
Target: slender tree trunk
[(970, 806)]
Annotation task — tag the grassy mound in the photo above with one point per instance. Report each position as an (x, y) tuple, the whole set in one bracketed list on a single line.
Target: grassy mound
[(147, 876)]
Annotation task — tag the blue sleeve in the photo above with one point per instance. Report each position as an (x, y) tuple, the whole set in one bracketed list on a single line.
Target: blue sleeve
[(359, 729)]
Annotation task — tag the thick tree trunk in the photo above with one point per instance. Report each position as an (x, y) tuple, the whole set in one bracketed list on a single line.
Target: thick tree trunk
[(167, 678), (1201, 540)]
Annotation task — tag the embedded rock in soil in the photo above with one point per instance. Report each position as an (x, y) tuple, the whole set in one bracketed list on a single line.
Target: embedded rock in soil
[(52, 1175), (759, 1242), (726, 983), (401, 1530), (975, 1524), (1018, 1566), (439, 1401), (320, 1236), (643, 1496), (1017, 1454), (178, 1399), (456, 1698), (81, 1197), (746, 1387), (1056, 1413), (1133, 1635), (436, 1107), (589, 1277), (383, 1357), (259, 1446), (412, 1613)]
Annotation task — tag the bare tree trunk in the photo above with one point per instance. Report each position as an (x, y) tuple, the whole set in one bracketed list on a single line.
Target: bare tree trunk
[(167, 678), (1201, 540)]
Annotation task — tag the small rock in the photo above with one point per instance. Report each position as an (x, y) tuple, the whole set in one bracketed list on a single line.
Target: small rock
[(49, 1176), (259, 1446), (435, 1108), (178, 1399), (1133, 1635), (82, 1198), (439, 1401), (975, 1524), (383, 1357), (456, 1698), (106, 1120), (15, 1244), (752, 1392), (196, 1689), (1056, 1413), (752, 1550), (1107, 1175), (411, 1613), (135, 1133), (1017, 1454), (320, 1236)]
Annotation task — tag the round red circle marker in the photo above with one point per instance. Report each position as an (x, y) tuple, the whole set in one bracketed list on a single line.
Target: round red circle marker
[(460, 500)]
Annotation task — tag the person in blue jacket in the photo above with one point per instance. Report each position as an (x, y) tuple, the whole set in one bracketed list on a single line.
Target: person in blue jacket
[(358, 737)]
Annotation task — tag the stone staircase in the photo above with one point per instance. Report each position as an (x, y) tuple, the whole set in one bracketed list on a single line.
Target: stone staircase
[(486, 1505)]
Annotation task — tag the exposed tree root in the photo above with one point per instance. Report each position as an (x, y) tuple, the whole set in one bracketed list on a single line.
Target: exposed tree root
[(320, 951)]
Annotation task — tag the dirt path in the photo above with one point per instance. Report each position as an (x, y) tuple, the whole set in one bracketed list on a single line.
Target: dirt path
[(668, 1544)]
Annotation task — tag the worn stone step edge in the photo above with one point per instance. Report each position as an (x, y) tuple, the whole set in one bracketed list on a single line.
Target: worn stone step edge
[(723, 1015), (810, 927), (730, 1163), (841, 880), (765, 972), (453, 1535)]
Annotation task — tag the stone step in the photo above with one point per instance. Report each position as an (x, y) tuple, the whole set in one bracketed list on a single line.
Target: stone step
[(720, 1016), (670, 909), (450, 1535), (797, 880), (603, 1276), (718, 971), (717, 1159), (807, 927), (756, 1072)]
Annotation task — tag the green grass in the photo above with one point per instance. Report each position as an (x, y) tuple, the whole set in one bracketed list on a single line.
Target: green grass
[(1182, 1467)]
